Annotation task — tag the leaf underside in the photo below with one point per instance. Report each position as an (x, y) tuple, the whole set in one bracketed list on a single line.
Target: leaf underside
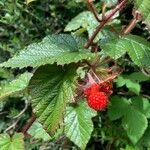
[(78, 124), (143, 7), (51, 88)]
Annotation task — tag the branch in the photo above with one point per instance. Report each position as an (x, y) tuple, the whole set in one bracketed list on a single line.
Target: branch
[(93, 9), (12, 126), (118, 7), (18, 117), (22, 112), (136, 18)]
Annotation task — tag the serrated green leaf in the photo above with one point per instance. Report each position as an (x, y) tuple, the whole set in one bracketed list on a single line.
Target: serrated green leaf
[(16, 85), (110, 3), (11, 143), (38, 132), (134, 119), (120, 81), (86, 20), (128, 147), (79, 21), (142, 104), (135, 124), (132, 81), (143, 7), (78, 124), (146, 138), (59, 48), (133, 86), (117, 107), (51, 88), (137, 48), (113, 48), (138, 77)]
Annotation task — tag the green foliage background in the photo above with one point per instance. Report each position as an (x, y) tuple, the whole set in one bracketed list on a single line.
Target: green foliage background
[(22, 24)]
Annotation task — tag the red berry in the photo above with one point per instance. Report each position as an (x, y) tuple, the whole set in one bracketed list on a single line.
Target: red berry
[(93, 88), (97, 100)]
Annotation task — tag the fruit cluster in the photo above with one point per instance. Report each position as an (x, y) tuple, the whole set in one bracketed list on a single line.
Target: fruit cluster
[(97, 95)]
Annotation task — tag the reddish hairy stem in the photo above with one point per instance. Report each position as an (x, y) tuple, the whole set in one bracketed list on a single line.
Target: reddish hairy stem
[(109, 79), (28, 125), (118, 7), (93, 10), (132, 23)]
